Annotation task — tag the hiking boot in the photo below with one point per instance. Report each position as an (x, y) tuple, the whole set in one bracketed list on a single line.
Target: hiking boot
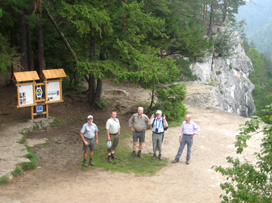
[(154, 156), (175, 160), (187, 162), (133, 155), (91, 162), (113, 156), (109, 159), (160, 157), (85, 163), (140, 154)]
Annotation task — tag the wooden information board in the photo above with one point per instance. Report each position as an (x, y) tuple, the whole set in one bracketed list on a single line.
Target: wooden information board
[(30, 93)]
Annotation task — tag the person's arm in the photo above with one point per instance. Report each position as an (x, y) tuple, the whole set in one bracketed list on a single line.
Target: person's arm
[(130, 123), (119, 130), (96, 135), (108, 134), (83, 139), (196, 130), (108, 129), (165, 121), (151, 119), (181, 133)]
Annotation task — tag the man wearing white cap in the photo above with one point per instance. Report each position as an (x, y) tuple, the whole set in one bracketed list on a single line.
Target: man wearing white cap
[(159, 124), (88, 133)]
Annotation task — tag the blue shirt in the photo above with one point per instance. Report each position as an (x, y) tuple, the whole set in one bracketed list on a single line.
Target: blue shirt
[(189, 128), (89, 131), (157, 124)]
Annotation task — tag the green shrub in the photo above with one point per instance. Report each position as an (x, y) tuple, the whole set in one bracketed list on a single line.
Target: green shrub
[(224, 43), (170, 102), (56, 122), (36, 127), (17, 171), (32, 157), (22, 141), (3, 180), (102, 104), (250, 181)]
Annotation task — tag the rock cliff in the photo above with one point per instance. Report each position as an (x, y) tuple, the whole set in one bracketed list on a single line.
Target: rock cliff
[(230, 79)]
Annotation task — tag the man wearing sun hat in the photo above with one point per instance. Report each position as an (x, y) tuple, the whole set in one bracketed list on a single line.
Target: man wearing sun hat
[(159, 125), (89, 136)]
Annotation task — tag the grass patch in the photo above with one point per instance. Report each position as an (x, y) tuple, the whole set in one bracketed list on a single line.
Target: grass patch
[(36, 127), (144, 166), (46, 144), (33, 161), (57, 122), (4, 180), (17, 171), (22, 141)]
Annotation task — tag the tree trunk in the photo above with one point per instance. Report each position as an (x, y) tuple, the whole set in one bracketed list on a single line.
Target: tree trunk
[(225, 11), (41, 60), (95, 84), (152, 100), (92, 90), (211, 21), (98, 93), (61, 35), (23, 42), (29, 49)]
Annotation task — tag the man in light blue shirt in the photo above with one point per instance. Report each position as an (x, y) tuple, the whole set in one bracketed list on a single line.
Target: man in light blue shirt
[(88, 133), (159, 124), (188, 130)]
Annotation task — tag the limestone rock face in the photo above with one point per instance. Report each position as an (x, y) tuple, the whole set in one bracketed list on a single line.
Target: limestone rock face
[(230, 79)]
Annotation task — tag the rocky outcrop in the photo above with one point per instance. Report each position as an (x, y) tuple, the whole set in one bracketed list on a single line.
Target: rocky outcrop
[(230, 79)]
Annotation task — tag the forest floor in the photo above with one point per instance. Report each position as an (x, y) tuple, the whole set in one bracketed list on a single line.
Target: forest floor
[(60, 178)]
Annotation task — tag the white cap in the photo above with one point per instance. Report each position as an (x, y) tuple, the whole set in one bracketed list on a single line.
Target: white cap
[(90, 116), (159, 112)]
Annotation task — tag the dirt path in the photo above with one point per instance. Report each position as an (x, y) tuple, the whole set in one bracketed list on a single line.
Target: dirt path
[(175, 183)]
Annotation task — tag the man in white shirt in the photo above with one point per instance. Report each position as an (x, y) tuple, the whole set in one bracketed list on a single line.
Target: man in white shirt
[(188, 130), (113, 133)]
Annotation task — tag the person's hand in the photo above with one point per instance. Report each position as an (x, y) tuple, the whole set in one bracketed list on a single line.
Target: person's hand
[(164, 117), (109, 138), (180, 138), (96, 141), (85, 142), (152, 116), (192, 135), (133, 130)]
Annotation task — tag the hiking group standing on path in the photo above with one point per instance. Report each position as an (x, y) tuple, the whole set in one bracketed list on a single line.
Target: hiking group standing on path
[(139, 123)]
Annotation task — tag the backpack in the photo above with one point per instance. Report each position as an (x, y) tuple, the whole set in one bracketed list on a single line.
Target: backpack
[(165, 128)]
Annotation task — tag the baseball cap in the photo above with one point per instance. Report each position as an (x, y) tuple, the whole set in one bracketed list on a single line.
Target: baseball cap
[(159, 112), (90, 116)]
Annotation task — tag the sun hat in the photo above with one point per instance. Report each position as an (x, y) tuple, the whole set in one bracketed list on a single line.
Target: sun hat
[(159, 112)]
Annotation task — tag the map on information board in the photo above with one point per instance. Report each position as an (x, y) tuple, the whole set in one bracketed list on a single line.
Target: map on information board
[(53, 91), (26, 96)]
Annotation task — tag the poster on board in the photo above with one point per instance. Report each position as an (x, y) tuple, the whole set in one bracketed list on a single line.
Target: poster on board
[(53, 91), (26, 96)]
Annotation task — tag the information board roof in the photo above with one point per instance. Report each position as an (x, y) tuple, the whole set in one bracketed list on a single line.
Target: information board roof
[(53, 73), (25, 76)]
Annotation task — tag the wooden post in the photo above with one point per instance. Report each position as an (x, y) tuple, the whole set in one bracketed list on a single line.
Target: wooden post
[(47, 111), (32, 112), (18, 96)]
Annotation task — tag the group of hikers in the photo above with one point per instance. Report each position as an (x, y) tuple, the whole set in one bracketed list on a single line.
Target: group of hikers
[(139, 123)]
